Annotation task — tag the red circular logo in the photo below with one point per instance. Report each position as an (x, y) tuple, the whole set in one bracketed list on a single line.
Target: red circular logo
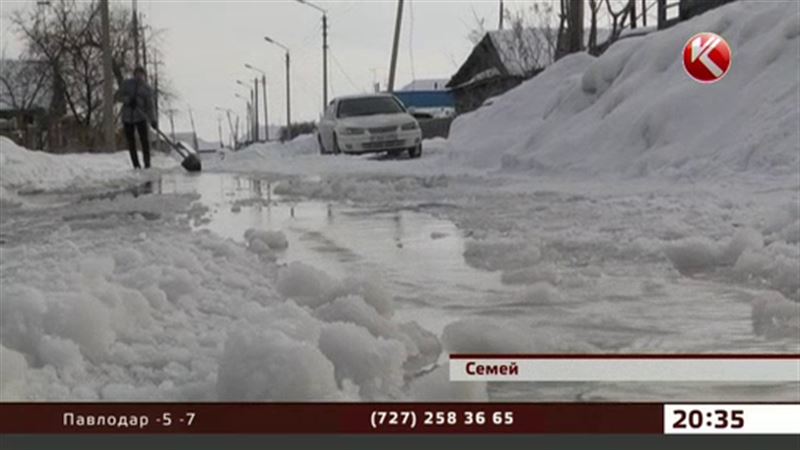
[(706, 57)]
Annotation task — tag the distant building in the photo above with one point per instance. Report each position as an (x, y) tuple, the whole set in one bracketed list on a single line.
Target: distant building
[(500, 61), (427, 84), (432, 103), (429, 97)]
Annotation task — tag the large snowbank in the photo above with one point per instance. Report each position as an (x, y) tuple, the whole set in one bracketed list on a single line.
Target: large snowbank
[(27, 170), (633, 110)]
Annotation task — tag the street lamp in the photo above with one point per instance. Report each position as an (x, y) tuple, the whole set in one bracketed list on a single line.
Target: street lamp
[(264, 90), (249, 114), (254, 113), (324, 50), (288, 87)]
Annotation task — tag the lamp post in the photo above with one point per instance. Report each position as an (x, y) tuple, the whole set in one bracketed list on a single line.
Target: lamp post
[(254, 112), (264, 90), (288, 87), (324, 50), (249, 114)]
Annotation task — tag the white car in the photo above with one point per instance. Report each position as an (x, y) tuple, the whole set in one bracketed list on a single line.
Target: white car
[(367, 124)]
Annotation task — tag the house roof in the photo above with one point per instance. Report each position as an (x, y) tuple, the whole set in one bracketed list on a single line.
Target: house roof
[(523, 50), (426, 84), (24, 84), (515, 52)]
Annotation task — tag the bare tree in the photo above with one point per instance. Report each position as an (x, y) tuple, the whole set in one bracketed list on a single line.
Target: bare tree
[(618, 19), (594, 8), (67, 39), (21, 83), (478, 31), (531, 40)]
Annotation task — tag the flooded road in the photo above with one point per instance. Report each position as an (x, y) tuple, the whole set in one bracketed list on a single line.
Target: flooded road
[(420, 261), (417, 257)]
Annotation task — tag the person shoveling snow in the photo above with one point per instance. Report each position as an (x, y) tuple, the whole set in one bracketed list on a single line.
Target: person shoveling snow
[(137, 110)]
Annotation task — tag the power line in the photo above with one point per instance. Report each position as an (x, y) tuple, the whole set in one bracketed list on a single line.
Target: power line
[(341, 69)]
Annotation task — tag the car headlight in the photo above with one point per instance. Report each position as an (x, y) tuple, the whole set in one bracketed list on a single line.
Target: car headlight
[(410, 126), (349, 131)]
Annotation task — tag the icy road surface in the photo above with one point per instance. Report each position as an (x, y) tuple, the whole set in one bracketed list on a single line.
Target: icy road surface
[(418, 257), (544, 271)]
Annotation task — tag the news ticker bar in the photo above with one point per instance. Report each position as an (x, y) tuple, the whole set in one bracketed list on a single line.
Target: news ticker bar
[(778, 368), (398, 418)]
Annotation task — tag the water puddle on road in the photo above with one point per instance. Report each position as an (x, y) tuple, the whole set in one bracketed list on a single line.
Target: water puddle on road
[(417, 257)]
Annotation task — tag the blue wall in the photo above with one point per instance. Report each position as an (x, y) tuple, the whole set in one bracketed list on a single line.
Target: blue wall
[(426, 99)]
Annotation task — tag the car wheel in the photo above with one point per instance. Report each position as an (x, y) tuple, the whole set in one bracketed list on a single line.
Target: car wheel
[(321, 146), (415, 152), (336, 149)]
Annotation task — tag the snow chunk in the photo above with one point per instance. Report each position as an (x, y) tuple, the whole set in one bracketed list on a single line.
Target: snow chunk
[(542, 294), (427, 345), (273, 240), (59, 352), (13, 371), (744, 239), (84, 320), (370, 291), (374, 364), (774, 316), (437, 387), (22, 311), (482, 335), (500, 254), (305, 284), (694, 254), (266, 365)]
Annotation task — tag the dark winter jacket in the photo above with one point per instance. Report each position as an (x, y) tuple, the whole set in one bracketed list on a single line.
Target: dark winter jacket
[(137, 101)]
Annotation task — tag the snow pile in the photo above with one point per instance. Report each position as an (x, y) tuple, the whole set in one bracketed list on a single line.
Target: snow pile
[(745, 254), (153, 312), (28, 170), (633, 111), (265, 241)]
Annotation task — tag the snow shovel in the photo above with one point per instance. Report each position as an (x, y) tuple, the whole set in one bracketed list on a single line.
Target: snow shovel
[(190, 160)]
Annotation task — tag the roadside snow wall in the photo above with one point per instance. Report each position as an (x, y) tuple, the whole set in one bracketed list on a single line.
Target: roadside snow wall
[(634, 111)]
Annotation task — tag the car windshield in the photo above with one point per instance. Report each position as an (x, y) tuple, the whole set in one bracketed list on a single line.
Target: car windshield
[(368, 106)]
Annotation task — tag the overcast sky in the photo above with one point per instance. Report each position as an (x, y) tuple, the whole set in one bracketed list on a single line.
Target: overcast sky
[(207, 43)]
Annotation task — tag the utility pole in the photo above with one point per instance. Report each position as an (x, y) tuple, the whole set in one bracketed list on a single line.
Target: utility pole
[(219, 130), (324, 50), (194, 130), (135, 26), (236, 135), (108, 88), (264, 90), (288, 100), (255, 102), (288, 87), (393, 64), (324, 61), (230, 126), (253, 115), (144, 47), (500, 27), (266, 114)]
